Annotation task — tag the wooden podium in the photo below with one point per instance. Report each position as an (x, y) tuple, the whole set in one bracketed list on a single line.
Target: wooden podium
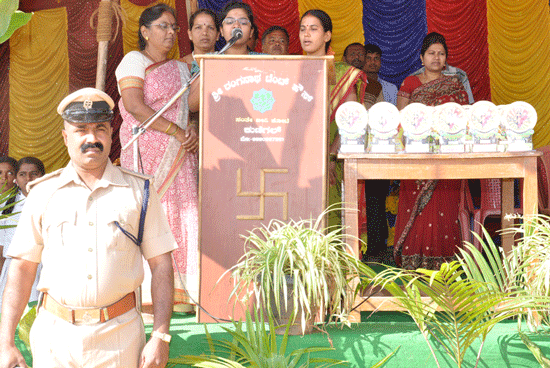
[(263, 143)]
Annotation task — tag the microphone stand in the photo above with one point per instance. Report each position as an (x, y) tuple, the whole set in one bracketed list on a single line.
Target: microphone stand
[(140, 129)]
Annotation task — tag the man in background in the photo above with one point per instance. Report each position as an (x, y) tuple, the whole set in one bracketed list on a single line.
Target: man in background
[(375, 190), (354, 55), (275, 41), (373, 63)]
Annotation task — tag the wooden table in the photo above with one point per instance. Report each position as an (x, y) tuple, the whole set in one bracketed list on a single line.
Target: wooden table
[(506, 166)]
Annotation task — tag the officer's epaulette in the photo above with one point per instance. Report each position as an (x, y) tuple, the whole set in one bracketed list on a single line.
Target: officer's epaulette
[(133, 173), (44, 178)]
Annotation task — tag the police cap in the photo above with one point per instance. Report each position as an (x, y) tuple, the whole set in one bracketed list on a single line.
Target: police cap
[(87, 105)]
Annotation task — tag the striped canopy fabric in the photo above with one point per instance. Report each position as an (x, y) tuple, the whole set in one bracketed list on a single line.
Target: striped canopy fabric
[(503, 45)]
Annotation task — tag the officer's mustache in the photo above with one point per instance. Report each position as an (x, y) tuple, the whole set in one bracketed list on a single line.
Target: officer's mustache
[(85, 146)]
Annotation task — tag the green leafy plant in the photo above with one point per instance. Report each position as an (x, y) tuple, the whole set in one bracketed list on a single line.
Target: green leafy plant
[(300, 267), (255, 346), (4, 198), (459, 310), (535, 350), (24, 326), (11, 19), (527, 267)]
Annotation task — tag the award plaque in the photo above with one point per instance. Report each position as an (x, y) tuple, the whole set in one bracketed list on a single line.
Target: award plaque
[(451, 124), (484, 126), (352, 118), (382, 128), (519, 119), (417, 120)]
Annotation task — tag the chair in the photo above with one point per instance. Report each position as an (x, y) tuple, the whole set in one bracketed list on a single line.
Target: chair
[(543, 175), (465, 212), (490, 204)]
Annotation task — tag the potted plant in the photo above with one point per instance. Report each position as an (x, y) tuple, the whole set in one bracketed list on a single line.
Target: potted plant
[(298, 268)]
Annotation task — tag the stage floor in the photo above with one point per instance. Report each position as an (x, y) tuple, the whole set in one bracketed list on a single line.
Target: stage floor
[(369, 341)]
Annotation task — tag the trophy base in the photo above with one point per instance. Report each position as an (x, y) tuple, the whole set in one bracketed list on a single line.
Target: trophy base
[(418, 148), (452, 148), (382, 148), (518, 146), (490, 147), (352, 148)]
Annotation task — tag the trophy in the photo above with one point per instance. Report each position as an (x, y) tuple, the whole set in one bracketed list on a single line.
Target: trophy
[(417, 121), (352, 118), (519, 119), (484, 126), (382, 128), (451, 123)]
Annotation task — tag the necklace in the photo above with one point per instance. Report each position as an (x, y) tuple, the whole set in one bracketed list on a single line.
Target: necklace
[(150, 56)]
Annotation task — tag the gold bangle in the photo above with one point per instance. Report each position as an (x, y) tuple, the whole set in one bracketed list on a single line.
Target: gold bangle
[(175, 131), (169, 126)]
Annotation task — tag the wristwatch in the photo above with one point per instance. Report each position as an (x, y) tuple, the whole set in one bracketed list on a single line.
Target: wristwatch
[(163, 336)]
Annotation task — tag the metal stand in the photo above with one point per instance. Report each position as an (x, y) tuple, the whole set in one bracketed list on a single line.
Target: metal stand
[(139, 130)]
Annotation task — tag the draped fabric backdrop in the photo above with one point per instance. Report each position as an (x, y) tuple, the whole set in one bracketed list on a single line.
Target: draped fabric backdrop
[(502, 45), (39, 79)]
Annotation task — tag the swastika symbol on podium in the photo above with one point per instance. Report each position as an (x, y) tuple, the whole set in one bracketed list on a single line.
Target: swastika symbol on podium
[(262, 194)]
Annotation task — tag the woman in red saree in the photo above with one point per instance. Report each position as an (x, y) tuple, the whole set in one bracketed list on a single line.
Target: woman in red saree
[(427, 230), (147, 80)]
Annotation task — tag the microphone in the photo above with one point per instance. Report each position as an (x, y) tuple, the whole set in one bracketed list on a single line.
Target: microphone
[(236, 34)]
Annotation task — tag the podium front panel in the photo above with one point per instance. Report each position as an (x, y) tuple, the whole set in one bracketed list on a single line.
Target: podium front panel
[(263, 157)]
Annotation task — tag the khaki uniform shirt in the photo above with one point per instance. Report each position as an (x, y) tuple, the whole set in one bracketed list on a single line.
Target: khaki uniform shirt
[(87, 261)]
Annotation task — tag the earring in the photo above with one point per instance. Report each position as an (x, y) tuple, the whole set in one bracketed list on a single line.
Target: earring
[(146, 38)]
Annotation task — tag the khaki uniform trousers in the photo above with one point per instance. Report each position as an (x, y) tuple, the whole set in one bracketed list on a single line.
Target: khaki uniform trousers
[(60, 344)]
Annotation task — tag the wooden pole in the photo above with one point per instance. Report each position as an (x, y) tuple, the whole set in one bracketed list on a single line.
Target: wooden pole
[(104, 22), (191, 7)]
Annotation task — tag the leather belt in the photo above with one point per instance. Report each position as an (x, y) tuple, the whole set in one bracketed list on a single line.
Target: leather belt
[(89, 316)]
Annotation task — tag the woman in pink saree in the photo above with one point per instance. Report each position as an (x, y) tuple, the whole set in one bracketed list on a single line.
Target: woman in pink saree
[(147, 80)]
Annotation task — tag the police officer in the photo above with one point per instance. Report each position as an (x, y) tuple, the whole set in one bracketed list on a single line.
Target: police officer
[(82, 222)]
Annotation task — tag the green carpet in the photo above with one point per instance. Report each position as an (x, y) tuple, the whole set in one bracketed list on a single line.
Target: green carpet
[(376, 336), (366, 343)]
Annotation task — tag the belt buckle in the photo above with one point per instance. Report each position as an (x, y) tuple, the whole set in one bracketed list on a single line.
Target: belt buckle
[(87, 316)]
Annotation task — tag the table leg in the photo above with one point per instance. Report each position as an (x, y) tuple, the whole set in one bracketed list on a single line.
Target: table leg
[(350, 213), (530, 188), (507, 207)]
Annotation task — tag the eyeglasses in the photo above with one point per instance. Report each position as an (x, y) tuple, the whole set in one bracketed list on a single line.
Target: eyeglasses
[(164, 26), (242, 21)]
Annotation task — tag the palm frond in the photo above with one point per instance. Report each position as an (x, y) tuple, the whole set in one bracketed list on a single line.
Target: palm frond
[(525, 269), (535, 350), (461, 310)]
